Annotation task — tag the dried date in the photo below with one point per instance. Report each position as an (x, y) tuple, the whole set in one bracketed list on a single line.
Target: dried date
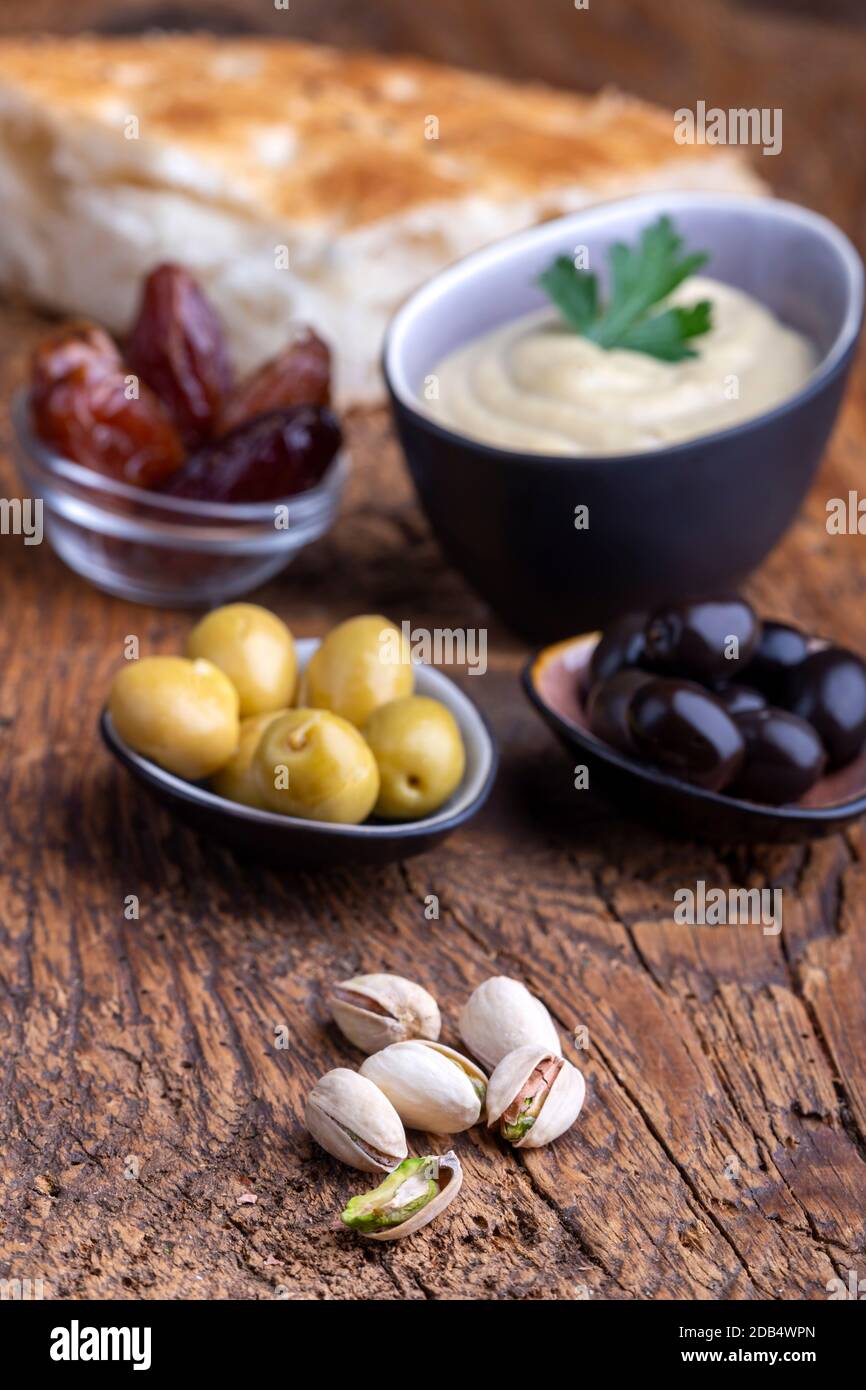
[(275, 455), (177, 346), (86, 409), (75, 345), (299, 375)]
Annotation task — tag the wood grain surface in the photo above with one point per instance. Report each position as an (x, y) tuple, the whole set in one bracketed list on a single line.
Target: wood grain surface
[(150, 1124)]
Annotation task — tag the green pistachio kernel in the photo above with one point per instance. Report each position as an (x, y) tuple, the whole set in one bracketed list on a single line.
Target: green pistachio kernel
[(515, 1132), (406, 1190)]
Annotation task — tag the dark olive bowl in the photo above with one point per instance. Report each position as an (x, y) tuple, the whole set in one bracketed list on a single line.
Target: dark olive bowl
[(679, 522), (553, 681), (300, 844)]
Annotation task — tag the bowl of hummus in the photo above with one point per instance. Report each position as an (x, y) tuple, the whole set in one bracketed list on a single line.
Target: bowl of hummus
[(627, 405)]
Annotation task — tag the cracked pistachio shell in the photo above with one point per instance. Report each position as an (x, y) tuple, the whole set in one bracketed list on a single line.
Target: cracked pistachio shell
[(354, 1121), (450, 1182), (430, 1085), (410, 1012), (502, 1015), (560, 1108)]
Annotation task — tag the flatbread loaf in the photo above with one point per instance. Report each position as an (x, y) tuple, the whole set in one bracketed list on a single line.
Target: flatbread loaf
[(298, 182)]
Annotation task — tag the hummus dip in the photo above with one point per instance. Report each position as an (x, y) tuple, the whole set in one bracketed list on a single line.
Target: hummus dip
[(536, 385)]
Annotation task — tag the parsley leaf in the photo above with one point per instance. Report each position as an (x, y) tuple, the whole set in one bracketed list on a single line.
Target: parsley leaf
[(641, 277), (664, 335), (573, 291)]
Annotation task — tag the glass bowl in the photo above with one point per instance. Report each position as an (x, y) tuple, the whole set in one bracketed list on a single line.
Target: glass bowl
[(167, 551)]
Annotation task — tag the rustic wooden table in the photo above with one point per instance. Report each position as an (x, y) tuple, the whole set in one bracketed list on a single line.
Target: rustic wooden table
[(151, 1124)]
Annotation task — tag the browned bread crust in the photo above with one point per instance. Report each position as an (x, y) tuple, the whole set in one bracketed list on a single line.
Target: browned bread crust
[(309, 133)]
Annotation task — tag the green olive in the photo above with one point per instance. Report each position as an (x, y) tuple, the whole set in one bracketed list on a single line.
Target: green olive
[(181, 714), (237, 781), (313, 764), (256, 651), (361, 664), (420, 755)]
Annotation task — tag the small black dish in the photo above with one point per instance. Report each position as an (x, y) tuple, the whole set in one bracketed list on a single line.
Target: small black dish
[(669, 524), (553, 682), (286, 841)]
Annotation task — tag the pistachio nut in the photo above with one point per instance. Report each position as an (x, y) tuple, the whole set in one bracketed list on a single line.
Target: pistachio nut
[(535, 1095), (431, 1086), (354, 1121), (375, 1010), (408, 1198), (502, 1015)]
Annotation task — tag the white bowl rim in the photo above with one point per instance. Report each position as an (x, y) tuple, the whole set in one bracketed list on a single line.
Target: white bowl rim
[(473, 726), (405, 320)]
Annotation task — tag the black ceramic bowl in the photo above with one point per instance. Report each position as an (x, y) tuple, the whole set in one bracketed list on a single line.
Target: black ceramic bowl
[(552, 680), (292, 843), (679, 522)]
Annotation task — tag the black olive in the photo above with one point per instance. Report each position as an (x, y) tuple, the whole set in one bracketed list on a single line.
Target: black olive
[(739, 699), (784, 757), (685, 730), (829, 689), (779, 650), (607, 708), (621, 645), (706, 641)]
